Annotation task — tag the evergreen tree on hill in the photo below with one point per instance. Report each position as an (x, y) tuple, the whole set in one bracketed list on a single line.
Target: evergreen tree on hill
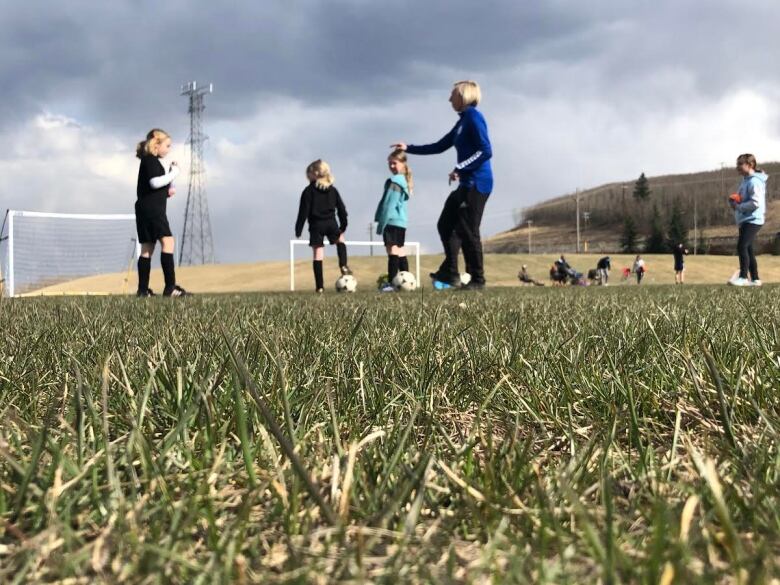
[(642, 188), (678, 231), (656, 243), (628, 241)]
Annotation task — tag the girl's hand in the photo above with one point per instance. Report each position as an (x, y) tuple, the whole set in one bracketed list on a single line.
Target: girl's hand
[(171, 191), (454, 177), (399, 145)]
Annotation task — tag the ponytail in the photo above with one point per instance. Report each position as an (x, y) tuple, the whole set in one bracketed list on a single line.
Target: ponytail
[(154, 138)]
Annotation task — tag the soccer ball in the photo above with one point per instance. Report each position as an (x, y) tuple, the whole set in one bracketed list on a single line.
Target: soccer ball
[(346, 283), (404, 281), (465, 278)]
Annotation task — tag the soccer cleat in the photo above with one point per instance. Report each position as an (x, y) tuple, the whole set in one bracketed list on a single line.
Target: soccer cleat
[(386, 287), (442, 278), (176, 291), (755, 282), (739, 282), (145, 293), (439, 285), (345, 271)]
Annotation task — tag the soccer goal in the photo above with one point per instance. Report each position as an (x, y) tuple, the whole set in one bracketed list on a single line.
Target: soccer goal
[(415, 246), (39, 249)]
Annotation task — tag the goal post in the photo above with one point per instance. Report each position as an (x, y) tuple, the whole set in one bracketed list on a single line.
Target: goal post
[(40, 249), (415, 246)]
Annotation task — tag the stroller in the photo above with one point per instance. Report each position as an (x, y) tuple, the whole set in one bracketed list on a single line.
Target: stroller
[(562, 273)]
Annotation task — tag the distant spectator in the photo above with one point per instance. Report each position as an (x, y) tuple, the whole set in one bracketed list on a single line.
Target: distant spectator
[(639, 269), (525, 278), (679, 251), (603, 266)]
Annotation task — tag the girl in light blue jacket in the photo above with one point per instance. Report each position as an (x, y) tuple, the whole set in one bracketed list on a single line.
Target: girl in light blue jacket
[(391, 215), (749, 206)]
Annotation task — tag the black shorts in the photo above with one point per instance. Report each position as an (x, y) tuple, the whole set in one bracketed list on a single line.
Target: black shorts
[(679, 267), (394, 236), (319, 231), (151, 221)]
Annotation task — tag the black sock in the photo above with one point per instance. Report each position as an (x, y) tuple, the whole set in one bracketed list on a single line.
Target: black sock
[(144, 267), (392, 266), (341, 248), (403, 263), (169, 272), (317, 266)]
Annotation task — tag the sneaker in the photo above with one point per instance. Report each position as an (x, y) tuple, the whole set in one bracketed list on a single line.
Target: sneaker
[(345, 271), (739, 282), (756, 282), (473, 286), (443, 278), (176, 291), (145, 293), (320, 291), (386, 287)]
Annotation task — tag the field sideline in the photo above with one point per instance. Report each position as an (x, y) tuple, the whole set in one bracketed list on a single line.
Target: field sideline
[(501, 270), (510, 436)]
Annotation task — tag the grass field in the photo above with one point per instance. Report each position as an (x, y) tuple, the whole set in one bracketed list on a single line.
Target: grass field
[(501, 270), (578, 435)]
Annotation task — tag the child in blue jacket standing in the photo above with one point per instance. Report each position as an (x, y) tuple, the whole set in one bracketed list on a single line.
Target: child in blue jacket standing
[(749, 206), (391, 215)]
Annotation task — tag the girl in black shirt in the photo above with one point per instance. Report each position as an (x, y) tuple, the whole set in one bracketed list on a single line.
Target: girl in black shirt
[(320, 204), (155, 186)]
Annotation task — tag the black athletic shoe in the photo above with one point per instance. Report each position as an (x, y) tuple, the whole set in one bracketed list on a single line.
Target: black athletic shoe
[(473, 286), (345, 270), (145, 293), (176, 291), (452, 281)]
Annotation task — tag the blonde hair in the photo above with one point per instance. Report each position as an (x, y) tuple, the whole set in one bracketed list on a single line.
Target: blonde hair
[(320, 170), (469, 92), (400, 156), (154, 138)]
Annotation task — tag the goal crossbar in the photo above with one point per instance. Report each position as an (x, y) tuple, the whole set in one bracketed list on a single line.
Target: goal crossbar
[(415, 246)]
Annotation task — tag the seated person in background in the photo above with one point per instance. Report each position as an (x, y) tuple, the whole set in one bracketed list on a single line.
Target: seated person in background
[(525, 278)]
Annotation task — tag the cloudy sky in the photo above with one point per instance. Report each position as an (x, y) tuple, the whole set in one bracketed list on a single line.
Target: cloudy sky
[(575, 94)]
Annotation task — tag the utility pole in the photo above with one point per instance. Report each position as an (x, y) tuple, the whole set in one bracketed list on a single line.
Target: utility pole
[(695, 224), (196, 246), (371, 237), (577, 199), (530, 222)]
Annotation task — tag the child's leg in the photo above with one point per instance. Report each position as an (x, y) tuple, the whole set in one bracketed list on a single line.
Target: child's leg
[(392, 262), (403, 262), (145, 266), (318, 253), (166, 261), (341, 249)]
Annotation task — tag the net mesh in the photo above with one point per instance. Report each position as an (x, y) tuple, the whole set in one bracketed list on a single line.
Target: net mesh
[(47, 249)]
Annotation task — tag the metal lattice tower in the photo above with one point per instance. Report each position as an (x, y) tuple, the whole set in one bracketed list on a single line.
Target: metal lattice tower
[(197, 245)]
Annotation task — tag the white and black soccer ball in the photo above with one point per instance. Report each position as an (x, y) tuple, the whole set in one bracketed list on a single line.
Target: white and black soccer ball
[(346, 283), (465, 278), (404, 282)]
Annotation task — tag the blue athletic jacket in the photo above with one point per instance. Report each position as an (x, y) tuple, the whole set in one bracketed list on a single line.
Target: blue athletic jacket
[(753, 193), (469, 136), (392, 207)]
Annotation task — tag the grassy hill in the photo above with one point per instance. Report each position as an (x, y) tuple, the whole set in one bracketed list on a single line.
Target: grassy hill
[(501, 271), (604, 208)]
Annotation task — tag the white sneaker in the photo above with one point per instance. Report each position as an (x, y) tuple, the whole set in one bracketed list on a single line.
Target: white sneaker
[(755, 283), (739, 282)]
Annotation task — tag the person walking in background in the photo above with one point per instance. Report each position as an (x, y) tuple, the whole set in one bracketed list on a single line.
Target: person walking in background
[(679, 251), (461, 216), (639, 269), (749, 205), (603, 266)]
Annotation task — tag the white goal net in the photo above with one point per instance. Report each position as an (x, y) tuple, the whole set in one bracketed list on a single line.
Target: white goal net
[(39, 249)]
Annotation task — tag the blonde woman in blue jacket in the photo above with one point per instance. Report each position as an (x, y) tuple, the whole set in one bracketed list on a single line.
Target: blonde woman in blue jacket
[(391, 215)]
